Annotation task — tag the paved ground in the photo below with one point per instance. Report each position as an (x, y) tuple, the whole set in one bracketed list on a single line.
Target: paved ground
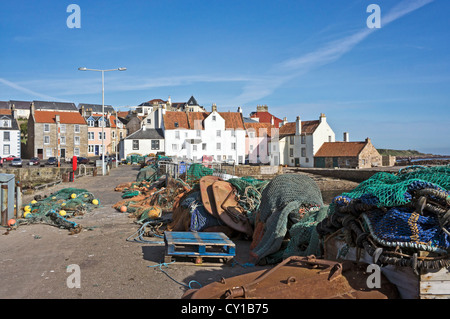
[(34, 259)]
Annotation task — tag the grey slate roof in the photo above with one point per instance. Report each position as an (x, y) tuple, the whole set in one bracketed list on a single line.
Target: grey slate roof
[(20, 105), (14, 124), (96, 108), (57, 106), (4, 105), (147, 134)]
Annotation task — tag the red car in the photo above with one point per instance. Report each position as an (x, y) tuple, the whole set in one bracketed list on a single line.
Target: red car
[(9, 158)]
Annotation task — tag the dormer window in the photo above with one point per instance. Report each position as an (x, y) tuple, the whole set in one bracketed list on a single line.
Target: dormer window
[(214, 118), (176, 124), (6, 123)]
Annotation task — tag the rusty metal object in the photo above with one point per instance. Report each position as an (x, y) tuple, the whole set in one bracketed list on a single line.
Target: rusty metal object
[(299, 278), (228, 208), (207, 193)]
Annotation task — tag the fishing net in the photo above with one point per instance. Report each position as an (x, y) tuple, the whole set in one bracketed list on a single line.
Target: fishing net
[(285, 201), (196, 171), (397, 216), (59, 207), (148, 173)]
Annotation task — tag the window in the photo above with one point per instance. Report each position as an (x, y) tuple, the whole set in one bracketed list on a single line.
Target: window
[(63, 128), (6, 149), (91, 149), (46, 139), (218, 133), (149, 121), (155, 144), (199, 133), (91, 123), (91, 135), (77, 128), (135, 145), (76, 151), (233, 133), (291, 140), (204, 146), (303, 139), (303, 152), (194, 148), (99, 135), (214, 118), (291, 152), (218, 146), (329, 138), (174, 147), (6, 136), (233, 146), (76, 140), (251, 134), (46, 127), (177, 135), (49, 152), (63, 140)]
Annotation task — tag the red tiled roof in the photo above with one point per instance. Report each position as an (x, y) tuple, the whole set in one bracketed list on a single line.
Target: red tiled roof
[(340, 149), (5, 112), (65, 117), (266, 117), (233, 120), (261, 128), (308, 127), (171, 118)]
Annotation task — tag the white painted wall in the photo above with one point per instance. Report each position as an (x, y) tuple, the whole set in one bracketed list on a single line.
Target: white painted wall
[(14, 143)]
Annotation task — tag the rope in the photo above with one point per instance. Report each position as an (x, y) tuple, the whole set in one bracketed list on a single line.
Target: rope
[(189, 285)]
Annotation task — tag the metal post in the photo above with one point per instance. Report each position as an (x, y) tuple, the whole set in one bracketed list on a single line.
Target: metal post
[(4, 190), (103, 124), (18, 200)]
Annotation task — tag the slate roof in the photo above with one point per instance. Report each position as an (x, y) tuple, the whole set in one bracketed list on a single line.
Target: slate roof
[(96, 108), (20, 105), (55, 106), (340, 149), (147, 134), (6, 114), (4, 105)]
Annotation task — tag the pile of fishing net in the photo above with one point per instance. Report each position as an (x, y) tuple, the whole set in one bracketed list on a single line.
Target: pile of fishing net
[(399, 219), (291, 206), (59, 207)]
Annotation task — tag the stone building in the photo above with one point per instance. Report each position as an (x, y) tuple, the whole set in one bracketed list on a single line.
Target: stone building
[(53, 133), (348, 155)]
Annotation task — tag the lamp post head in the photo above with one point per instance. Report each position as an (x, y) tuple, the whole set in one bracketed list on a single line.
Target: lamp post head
[(82, 69), (122, 69)]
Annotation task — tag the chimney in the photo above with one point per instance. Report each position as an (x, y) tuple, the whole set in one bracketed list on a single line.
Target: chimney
[(144, 128), (214, 107), (169, 101), (285, 121), (346, 137), (322, 118), (57, 119), (272, 121), (32, 108), (239, 109), (298, 126), (368, 141)]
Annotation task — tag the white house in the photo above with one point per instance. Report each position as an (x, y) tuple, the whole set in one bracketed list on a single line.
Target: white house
[(9, 134), (142, 142), (299, 141), (192, 135)]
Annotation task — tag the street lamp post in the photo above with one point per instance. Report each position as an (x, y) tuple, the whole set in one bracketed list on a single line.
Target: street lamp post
[(103, 108)]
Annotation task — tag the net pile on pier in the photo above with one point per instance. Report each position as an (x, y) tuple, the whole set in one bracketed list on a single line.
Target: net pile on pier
[(73, 201), (291, 206), (395, 217)]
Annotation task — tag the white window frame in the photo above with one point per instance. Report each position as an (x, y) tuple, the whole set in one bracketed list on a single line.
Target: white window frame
[(46, 137)]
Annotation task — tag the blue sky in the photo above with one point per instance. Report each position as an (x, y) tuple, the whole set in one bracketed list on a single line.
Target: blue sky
[(298, 57)]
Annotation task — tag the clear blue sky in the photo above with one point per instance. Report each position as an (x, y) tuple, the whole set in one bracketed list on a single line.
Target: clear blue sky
[(298, 57)]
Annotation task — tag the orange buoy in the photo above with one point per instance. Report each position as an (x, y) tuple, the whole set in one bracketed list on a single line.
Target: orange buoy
[(123, 209), (11, 222)]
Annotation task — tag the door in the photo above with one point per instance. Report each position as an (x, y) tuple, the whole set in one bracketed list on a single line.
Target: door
[(97, 150), (63, 153), (40, 153), (297, 162), (335, 162)]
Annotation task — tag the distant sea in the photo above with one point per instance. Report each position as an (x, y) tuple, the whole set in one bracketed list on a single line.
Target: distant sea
[(424, 159)]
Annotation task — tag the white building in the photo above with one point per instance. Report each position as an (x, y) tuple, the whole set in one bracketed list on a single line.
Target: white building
[(192, 135), (300, 140), (9, 134), (142, 142)]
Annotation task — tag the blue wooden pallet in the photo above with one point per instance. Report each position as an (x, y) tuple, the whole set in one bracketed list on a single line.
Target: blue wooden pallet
[(198, 245)]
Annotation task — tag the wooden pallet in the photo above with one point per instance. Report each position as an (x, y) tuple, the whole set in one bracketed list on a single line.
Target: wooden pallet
[(198, 245)]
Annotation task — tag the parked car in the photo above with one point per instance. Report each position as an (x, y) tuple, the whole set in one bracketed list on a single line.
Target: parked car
[(82, 160), (52, 161), (9, 158), (17, 162), (35, 161)]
